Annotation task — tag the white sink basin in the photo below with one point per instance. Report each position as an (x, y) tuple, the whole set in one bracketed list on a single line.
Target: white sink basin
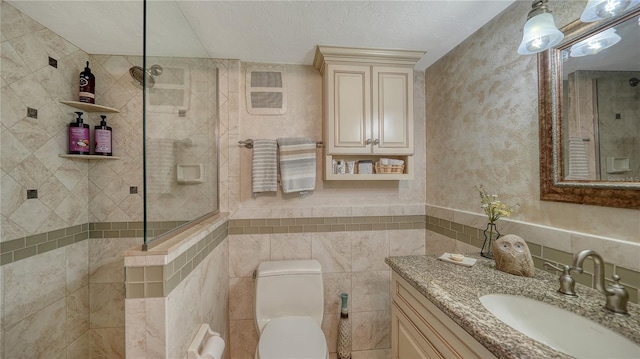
[(560, 329)]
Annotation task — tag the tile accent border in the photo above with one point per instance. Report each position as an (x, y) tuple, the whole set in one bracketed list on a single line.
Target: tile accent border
[(159, 281), (25, 247), (540, 254), (325, 224), (29, 246)]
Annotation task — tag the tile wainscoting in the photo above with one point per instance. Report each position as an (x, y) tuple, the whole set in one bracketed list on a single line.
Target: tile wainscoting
[(174, 287), (351, 250)]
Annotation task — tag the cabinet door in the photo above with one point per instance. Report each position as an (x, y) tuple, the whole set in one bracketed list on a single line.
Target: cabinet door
[(392, 116), (406, 341), (348, 109)]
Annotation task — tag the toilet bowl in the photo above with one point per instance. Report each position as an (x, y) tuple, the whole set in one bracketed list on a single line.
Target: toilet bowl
[(288, 310)]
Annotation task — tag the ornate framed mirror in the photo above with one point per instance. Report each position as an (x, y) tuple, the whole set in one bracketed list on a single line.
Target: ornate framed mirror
[(589, 114)]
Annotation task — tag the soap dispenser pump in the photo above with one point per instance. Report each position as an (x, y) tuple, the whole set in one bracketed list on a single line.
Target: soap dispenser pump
[(103, 139), (79, 136)]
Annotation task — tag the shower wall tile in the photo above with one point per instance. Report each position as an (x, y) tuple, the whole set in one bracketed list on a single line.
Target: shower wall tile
[(77, 314), (39, 335), (106, 263), (107, 305), (80, 348), (32, 284), (107, 343)]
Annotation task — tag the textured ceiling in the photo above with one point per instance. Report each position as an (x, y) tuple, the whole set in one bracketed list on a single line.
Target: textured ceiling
[(263, 31)]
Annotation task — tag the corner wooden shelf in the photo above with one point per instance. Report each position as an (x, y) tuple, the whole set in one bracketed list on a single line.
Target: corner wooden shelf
[(89, 157), (90, 107)]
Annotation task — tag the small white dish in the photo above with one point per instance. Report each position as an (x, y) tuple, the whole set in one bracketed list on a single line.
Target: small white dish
[(456, 257)]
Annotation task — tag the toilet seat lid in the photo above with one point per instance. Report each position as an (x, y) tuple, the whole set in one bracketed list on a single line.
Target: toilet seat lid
[(292, 338)]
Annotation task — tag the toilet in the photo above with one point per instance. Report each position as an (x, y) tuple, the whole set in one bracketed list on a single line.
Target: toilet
[(288, 310)]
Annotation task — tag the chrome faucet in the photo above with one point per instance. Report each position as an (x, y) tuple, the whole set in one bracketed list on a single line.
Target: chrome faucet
[(616, 295)]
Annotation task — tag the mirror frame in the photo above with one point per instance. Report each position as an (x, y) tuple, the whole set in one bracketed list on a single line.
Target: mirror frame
[(602, 193)]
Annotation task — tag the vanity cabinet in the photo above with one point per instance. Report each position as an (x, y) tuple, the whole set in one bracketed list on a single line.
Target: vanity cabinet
[(420, 330), (367, 105)]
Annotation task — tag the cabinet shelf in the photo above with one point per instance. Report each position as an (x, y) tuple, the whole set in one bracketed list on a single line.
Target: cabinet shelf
[(330, 176), (90, 157), (90, 107)]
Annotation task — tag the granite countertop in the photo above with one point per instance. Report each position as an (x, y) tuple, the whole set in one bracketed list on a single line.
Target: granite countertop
[(456, 289)]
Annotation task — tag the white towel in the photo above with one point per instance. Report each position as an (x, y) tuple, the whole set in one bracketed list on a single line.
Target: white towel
[(264, 167), (297, 164), (578, 163)]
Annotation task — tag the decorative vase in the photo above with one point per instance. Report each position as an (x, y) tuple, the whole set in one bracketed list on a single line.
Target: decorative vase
[(490, 235), (344, 330)]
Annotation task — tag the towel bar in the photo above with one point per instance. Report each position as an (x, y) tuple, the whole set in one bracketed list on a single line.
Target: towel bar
[(248, 143)]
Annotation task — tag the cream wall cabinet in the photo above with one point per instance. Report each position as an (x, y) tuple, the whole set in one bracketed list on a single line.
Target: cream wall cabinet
[(420, 330), (369, 110), (368, 106)]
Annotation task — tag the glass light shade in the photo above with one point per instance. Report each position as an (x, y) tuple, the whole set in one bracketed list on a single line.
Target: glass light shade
[(604, 9), (540, 33), (596, 43)]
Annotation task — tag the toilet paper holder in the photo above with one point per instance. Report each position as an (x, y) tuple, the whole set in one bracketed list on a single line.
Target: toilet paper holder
[(199, 344)]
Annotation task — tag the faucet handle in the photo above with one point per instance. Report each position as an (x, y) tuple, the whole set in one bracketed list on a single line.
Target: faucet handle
[(567, 283), (617, 297), (552, 266)]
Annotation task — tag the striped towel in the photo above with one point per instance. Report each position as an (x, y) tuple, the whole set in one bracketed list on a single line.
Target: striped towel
[(297, 164), (264, 167)]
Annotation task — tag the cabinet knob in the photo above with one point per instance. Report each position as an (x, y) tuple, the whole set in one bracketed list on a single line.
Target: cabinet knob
[(376, 142), (368, 142)]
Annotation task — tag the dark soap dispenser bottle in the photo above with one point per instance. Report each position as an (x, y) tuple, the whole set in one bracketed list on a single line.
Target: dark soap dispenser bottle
[(87, 92), (102, 138), (79, 137)]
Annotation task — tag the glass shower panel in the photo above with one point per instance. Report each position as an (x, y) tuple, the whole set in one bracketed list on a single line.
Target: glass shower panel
[(180, 123)]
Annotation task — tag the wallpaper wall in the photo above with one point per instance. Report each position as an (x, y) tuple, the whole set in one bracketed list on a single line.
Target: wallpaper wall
[(482, 128)]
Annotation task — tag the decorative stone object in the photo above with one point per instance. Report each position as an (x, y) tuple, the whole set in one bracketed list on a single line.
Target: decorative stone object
[(512, 255)]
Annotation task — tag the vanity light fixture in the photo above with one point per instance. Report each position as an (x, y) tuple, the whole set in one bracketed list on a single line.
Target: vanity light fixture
[(596, 43), (604, 9), (540, 31)]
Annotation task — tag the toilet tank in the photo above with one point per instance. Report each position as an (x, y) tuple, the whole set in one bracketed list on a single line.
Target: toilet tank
[(288, 288)]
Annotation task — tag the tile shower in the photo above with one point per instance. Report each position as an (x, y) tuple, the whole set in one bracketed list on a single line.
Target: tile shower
[(62, 277)]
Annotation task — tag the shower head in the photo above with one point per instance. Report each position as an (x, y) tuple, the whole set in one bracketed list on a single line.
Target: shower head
[(138, 72), (634, 82)]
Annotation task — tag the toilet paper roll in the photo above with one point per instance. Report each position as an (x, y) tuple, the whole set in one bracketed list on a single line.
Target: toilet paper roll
[(213, 348)]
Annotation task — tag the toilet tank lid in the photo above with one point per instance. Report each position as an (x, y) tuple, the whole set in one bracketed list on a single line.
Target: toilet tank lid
[(266, 269)]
